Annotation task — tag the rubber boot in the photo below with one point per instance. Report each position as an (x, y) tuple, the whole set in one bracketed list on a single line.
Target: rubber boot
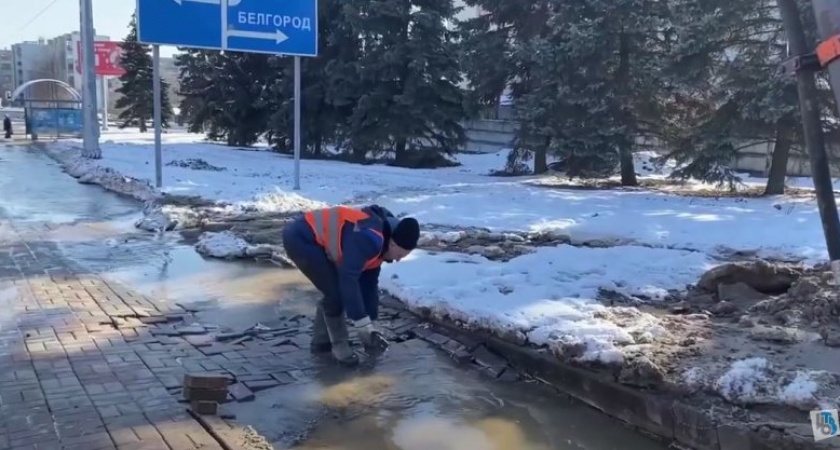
[(320, 337), (340, 338)]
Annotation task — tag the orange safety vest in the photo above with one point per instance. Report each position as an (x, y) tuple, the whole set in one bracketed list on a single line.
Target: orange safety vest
[(327, 224)]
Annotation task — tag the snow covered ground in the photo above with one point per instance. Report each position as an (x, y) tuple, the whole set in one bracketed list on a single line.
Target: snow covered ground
[(464, 196), (665, 241)]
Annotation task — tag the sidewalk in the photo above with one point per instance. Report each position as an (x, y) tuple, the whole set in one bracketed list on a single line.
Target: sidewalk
[(71, 379)]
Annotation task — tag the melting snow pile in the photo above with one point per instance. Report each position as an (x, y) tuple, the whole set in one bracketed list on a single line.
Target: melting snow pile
[(281, 202), (757, 381), (90, 172), (222, 245), (548, 297)]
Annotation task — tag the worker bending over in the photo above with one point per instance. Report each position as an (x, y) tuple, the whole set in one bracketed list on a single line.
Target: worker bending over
[(340, 250)]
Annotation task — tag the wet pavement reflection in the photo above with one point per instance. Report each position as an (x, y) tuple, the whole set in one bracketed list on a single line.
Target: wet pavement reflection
[(33, 188), (411, 398)]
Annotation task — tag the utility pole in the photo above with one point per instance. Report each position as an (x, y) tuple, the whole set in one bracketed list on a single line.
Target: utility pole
[(90, 123), (803, 65), (827, 13)]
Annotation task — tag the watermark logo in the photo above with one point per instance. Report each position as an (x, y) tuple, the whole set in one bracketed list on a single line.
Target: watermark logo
[(824, 424)]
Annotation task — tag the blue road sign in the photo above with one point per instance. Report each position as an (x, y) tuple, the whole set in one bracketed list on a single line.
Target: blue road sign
[(288, 27)]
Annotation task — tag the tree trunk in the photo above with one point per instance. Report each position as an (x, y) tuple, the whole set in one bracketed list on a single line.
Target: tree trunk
[(400, 153), (316, 151), (779, 162), (541, 157), (143, 128), (628, 170), (359, 154), (625, 147)]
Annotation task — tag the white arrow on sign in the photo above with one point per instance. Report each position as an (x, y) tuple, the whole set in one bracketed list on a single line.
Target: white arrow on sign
[(209, 2), (277, 36)]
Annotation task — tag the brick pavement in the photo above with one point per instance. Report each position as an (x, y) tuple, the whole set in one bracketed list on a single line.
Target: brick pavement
[(87, 364), (78, 369)]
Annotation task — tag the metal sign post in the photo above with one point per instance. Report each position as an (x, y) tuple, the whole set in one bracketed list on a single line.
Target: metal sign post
[(104, 102), (288, 27), (91, 126), (157, 115), (297, 123)]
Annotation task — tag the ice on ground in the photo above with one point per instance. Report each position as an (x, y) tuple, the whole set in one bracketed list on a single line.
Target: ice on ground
[(547, 296), (224, 244)]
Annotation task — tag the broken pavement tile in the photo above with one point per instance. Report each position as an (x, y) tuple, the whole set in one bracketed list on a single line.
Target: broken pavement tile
[(144, 312), (491, 372), (199, 340), (164, 332), (283, 378), (240, 392), (402, 329), (462, 356), (240, 340), (191, 329), (422, 332), (196, 393), (204, 407), (151, 320), (277, 341), (214, 349), (230, 335), (469, 342), (436, 338), (485, 358), (253, 377), (259, 385), (206, 380)]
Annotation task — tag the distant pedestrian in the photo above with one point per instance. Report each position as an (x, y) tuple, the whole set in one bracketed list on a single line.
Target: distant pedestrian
[(7, 126)]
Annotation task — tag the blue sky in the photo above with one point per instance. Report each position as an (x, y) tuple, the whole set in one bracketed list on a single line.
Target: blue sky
[(110, 17)]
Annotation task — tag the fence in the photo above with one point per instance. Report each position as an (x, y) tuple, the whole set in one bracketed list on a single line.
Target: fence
[(490, 136)]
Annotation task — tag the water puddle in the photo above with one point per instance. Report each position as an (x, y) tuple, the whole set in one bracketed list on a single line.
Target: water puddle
[(35, 189), (412, 398)]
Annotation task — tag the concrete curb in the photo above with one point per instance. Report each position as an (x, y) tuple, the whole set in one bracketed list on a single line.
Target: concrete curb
[(669, 416)]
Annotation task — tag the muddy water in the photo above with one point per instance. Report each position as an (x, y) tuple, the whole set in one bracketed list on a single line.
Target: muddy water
[(412, 398)]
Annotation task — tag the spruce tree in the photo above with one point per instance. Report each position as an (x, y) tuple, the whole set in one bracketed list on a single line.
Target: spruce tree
[(225, 94), (137, 100), (726, 67), (495, 57), (587, 78), (408, 78), (328, 87)]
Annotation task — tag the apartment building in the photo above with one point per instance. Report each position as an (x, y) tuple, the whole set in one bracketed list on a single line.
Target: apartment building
[(7, 74), (31, 60)]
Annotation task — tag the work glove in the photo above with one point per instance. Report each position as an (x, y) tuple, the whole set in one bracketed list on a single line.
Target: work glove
[(369, 335)]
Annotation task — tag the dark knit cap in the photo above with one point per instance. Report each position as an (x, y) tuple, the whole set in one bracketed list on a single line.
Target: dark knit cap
[(406, 233)]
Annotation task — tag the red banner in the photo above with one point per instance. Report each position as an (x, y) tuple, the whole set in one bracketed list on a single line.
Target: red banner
[(107, 61)]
